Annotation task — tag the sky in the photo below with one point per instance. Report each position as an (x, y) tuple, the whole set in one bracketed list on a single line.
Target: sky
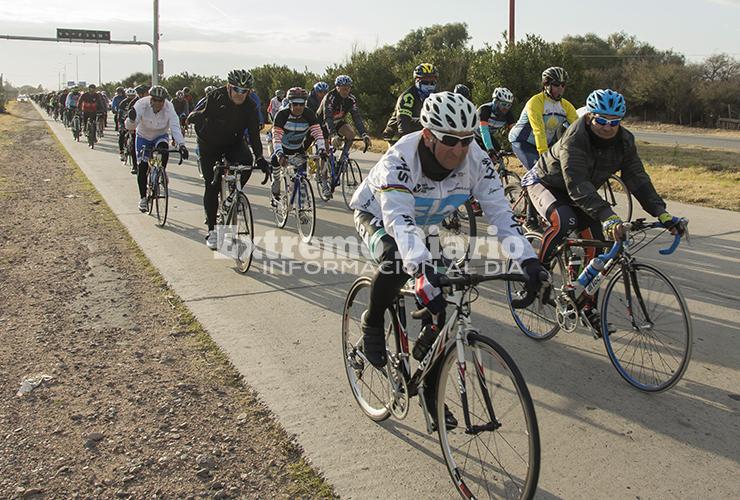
[(210, 37)]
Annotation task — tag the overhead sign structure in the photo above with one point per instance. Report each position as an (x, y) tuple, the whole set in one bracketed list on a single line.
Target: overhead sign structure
[(83, 35)]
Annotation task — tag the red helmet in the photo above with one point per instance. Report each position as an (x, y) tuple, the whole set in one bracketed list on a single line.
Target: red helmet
[(297, 95)]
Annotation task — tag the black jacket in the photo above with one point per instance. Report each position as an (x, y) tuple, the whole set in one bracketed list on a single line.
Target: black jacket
[(221, 123), (405, 118), (579, 163)]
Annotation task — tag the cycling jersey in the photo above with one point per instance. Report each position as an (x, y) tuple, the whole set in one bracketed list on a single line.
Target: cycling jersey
[(540, 120), (334, 109), (273, 108), (289, 131), (71, 102), (116, 102), (181, 106), (397, 191), (150, 125), (91, 102), (313, 101), (405, 118), (491, 120)]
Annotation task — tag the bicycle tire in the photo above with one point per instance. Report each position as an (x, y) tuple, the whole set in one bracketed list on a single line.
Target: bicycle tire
[(162, 199), (457, 232), (305, 210), (539, 320), (369, 385), (242, 223), (321, 181), (503, 406), (623, 337), (282, 208), (91, 134), (621, 206), (351, 180)]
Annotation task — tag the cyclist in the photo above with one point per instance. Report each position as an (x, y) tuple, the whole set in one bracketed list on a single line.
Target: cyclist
[(275, 103), (291, 134), (182, 108), (120, 96), (405, 118), (537, 127), (317, 95), (420, 180), (563, 183), (89, 104), (464, 91), (188, 96), (219, 127), (492, 117), (153, 117), (123, 107), (61, 100), (71, 102)]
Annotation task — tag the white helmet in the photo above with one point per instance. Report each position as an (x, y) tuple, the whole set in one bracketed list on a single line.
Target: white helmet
[(448, 112), (503, 94)]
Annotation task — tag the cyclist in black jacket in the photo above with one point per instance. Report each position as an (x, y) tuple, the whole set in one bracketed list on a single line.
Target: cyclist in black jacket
[(405, 118), (333, 112), (220, 127)]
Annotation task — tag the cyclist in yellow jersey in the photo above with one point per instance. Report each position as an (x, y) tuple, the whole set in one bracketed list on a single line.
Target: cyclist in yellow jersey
[(539, 122)]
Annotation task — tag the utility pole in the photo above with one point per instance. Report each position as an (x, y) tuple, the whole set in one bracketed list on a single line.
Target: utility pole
[(77, 68), (100, 79), (155, 43), (511, 22)]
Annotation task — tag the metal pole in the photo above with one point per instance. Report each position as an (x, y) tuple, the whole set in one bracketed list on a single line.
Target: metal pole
[(155, 44), (511, 22), (100, 79), (77, 68)]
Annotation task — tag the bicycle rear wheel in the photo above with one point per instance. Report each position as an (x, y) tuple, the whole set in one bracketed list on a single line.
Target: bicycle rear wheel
[(351, 179), (242, 232), (161, 200), (305, 210), (647, 328), (615, 193), (539, 320), (457, 233), (370, 386), (91, 129), (494, 451)]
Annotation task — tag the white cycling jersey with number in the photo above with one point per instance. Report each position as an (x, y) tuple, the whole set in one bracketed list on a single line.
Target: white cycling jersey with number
[(397, 192)]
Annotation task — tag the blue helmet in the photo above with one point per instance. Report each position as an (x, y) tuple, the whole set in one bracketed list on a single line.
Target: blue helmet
[(343, 80), (321, 87), (606, 102)]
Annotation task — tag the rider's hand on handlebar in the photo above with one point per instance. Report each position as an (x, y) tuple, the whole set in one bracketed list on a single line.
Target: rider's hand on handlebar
[(132, 114), (427, 288), (535, 273), (262, 164), (184, 152), (613, 228), (367, 141), (673, 224), (492, 154), (282, 160)]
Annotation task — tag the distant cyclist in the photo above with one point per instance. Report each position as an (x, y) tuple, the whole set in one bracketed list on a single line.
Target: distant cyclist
[(405, 117), (493, 117), (275, 104), (120, 117), (316, 95), (464, 91), (120, 96)]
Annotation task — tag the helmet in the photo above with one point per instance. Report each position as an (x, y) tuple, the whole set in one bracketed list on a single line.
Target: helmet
[(130, 91), (209, 89), (179, 93), (321, 87), (343, 80), (186, 90), (425, 70), (502, 94), (606, 102), (91, 86), (279, 93), (464, 91), (448, 112), (159, 92), (119, 89), (554, 74), (297, 95), (241, 78), (142, 89)]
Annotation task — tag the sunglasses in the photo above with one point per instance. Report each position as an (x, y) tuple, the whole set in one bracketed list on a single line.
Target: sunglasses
[(428, 82), (452, 140), (557, 84), (239, 90), (604, 122)]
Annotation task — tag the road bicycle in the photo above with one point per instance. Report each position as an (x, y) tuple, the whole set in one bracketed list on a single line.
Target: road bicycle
[(157, 182), (100, 123), (235, 212), (91, 130), (645, 322), (489, 436), (332, 172), (296, 196), (76, 126)]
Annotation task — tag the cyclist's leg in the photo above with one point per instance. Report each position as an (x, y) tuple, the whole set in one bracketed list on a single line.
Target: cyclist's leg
[(210, 195), (528, 156), (142, 157), (240, 154), (275, 186), (554, 207), (348, 133), (162, 142)]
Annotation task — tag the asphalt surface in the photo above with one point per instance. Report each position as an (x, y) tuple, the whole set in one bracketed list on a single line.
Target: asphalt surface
[(704, 140), (601, 438)]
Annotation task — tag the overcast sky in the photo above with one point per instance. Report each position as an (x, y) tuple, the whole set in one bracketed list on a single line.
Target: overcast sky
[(212, 36)]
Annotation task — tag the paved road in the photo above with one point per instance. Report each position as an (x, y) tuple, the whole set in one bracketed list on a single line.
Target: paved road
[(705, 140), (600, 437)]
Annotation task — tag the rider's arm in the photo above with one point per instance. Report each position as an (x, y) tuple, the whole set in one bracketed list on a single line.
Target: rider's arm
[(315, 129), (637, 180), (174, 123), (328, 106), (405, 114), (357, 117), (484, 113), (535, 108), (201, 111), (139, 108), (489, 192), (253, 130), (570, 111), (277, 131)]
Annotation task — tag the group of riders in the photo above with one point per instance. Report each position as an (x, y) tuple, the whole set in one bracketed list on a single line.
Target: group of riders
[(442, 152)]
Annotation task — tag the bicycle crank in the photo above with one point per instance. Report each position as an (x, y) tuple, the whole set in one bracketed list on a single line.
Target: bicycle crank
[(566, 313), (398, 391)]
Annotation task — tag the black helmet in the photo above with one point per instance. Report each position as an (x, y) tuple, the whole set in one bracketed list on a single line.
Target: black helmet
[(142, 89), (241, 78), (554, 74), (159, 92), (464, 91)]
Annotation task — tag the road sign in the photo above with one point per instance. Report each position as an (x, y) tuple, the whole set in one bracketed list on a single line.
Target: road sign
[(83, 35)]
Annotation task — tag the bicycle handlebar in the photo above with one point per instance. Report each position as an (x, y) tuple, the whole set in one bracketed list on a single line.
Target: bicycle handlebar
[(152, 150), (641, 225), (239, 168)]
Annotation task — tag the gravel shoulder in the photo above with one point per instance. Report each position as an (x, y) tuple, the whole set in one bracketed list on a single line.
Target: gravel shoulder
[(135, 399)]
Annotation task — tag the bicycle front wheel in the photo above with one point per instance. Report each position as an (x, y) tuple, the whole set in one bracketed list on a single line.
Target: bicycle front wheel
[(91, 134), (370, 386), (457, 233), (242, 233), (647, 328), (351, 179), (305, 210), (161, 198), (281, 207), (494, 450)]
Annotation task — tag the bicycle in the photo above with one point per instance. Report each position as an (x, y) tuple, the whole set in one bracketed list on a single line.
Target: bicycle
[(100, 123), (91, 129), (494, 437), (76, 126), (157, 182), (296, 196), (235, 211), (344, 171), (639, 339)]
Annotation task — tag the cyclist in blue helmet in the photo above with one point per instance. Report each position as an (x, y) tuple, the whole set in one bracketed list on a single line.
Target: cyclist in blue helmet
[(317, 95), (563, 185)]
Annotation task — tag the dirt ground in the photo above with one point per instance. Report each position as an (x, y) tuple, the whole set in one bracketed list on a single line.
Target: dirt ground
[(138, 401)]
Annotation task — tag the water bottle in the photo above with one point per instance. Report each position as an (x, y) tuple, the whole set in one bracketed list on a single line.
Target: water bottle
[(586, 280), (426, 338)]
